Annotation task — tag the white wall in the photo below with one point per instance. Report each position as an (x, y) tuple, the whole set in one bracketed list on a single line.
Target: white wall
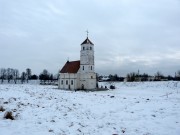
[(88, 80), (66, 77)]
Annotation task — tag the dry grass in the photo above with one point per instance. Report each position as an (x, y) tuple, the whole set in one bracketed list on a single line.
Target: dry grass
[(8, 115), (2, 109)]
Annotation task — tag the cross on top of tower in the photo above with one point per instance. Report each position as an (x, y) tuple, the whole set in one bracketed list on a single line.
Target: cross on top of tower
[(87, 32), (87, 41)]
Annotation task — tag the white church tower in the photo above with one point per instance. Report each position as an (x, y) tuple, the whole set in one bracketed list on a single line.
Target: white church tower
[(87, 56), (87, 73)]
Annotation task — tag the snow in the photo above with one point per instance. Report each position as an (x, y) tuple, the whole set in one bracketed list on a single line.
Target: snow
[(149, 108)]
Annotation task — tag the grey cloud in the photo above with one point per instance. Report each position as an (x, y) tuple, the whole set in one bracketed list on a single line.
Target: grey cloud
[(128, 35)]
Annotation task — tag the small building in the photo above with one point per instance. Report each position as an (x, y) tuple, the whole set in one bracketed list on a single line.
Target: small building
[(104, 78), (80, 74)]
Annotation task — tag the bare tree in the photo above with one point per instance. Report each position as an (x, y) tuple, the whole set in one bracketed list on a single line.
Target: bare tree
[(15, 75), (28, 74), (44, 76), (3, 74), (51, 77), (131, 77), (23, 77), (177, 76), (158, 76), (9, 74)]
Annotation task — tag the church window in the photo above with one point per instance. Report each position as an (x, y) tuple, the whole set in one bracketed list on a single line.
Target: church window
[(66, 82), (71, 82), (62, 82)]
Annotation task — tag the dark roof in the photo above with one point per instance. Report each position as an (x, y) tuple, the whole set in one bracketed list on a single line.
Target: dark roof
[(87, 41), (71, 67)]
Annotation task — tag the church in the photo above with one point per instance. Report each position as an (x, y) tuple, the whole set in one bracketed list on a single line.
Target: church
[(80, 74)]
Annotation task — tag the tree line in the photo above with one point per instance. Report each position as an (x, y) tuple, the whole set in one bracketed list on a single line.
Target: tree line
[(158, 76), (11, 75), (136, 76)]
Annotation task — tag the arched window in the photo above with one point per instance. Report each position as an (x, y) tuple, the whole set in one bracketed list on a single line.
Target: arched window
[(90, 48), (66, 82), (71, 82), (83, 48)]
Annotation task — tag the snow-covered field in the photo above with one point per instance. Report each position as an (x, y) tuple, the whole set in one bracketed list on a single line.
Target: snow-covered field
[(151, 108)]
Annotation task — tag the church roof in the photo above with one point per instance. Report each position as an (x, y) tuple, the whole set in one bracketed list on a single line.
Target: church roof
[(71, 67), (87, 41)]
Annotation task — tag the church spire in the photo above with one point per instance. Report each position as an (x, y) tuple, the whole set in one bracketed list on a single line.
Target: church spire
[(87, 41)]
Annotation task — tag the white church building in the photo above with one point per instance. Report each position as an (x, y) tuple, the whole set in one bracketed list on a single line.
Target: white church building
[(80, 74)]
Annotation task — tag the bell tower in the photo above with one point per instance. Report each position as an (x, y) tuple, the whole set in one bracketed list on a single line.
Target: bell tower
[(87, 72), (87, 56)]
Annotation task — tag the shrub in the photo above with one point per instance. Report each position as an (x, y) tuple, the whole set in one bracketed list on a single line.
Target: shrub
[(2, 109), (112, 87), (50, 130), (8, 115)]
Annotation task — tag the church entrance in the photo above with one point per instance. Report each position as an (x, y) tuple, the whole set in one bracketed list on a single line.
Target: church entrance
[(69, 87), (82, 87)]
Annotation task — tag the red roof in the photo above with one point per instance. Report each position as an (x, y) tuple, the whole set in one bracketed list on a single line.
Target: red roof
[(87, 41), (71, 67)]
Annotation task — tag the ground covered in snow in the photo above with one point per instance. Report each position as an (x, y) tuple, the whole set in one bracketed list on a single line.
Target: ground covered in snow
[(150, 108)]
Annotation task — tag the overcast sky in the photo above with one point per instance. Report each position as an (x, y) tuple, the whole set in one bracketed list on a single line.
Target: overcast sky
[(128, 34)]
